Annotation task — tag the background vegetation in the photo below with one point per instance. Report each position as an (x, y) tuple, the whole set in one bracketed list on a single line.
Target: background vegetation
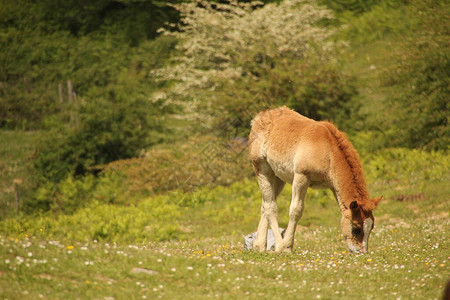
[(124, 123)]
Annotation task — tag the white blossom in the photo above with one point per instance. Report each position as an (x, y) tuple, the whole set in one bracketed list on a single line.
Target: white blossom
[(219, 41)]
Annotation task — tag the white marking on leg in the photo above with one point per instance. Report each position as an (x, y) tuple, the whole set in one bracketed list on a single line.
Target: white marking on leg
[(269, 211), (367, 228), (261, 236)]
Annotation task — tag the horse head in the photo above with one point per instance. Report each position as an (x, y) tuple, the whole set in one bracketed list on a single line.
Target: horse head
[(357, 223)]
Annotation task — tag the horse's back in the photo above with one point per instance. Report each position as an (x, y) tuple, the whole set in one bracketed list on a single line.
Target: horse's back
[(290, 143)]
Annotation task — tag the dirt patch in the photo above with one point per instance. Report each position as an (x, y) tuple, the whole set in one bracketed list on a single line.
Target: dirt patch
[(46, 276), (415, 209), (409, 198), (440, 215)]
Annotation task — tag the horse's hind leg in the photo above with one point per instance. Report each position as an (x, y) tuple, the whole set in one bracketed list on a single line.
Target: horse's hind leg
[(270, 186), (299, 187)]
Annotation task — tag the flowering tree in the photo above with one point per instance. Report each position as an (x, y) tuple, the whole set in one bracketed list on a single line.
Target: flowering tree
[(224, 43)]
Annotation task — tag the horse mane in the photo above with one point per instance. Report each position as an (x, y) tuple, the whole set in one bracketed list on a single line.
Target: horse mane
[(352, 163)]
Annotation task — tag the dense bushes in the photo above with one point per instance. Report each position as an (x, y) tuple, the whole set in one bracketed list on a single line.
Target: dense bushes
[(44, 45), (132, 21), (154, 219), (106, 113), (422, 73), (406, 165), (410, 88), (101, 132), (184, 167), (231, 208), (187, 166), (110, 116), (423, 109), (314, 88), (71, 194)]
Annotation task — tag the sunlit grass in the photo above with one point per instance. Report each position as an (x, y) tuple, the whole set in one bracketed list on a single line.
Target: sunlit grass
[(407, 260), (408, 253), (157, 249)]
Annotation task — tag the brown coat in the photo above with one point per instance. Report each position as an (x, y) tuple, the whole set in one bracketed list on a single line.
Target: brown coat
[(288, 147)]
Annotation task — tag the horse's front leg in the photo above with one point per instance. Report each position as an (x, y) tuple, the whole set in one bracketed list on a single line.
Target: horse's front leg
[(299, 187)]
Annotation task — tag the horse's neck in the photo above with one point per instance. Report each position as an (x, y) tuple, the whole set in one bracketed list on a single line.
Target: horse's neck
[(348, 183)]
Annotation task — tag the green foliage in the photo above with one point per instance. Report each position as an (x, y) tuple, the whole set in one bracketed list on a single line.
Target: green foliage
[(356, 7), (41, 51), (316, 88), (153, 219), (104, 131), (132, 21), (92, 207), (107, 55), (413, 80), (423, 110), (181, 170), (404, 165), (405, 83), (184, 166), (386, 18), (16, 150), (27, 68), (71, 194)]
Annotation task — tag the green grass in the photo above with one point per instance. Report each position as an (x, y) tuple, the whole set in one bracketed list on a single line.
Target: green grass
[(408, 256), (407, 260), (16, 150)]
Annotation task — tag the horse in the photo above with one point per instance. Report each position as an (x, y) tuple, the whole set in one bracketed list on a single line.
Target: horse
[(285, 147)]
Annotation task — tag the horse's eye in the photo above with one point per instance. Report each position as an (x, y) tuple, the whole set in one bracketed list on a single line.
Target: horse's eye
[(356, 231)]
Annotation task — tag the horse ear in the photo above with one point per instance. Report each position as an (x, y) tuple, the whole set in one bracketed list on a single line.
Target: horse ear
[(377, 200), (354, 205)]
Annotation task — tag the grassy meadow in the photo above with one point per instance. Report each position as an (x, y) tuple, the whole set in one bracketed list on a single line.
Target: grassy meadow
[(135, 182), (158, 249)]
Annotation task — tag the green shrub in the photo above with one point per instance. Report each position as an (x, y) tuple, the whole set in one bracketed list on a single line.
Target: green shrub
[(422, 77), (423, 110), (71, 194), (233, 208), (412, 166), (377, 20), (316, 88), (131, 20), (356, 6), (184, 166), (154, 219), (101, 50), (181, 169), (104, 131)]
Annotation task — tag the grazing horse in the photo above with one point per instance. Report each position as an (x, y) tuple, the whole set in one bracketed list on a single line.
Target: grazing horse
[(288, 147)]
